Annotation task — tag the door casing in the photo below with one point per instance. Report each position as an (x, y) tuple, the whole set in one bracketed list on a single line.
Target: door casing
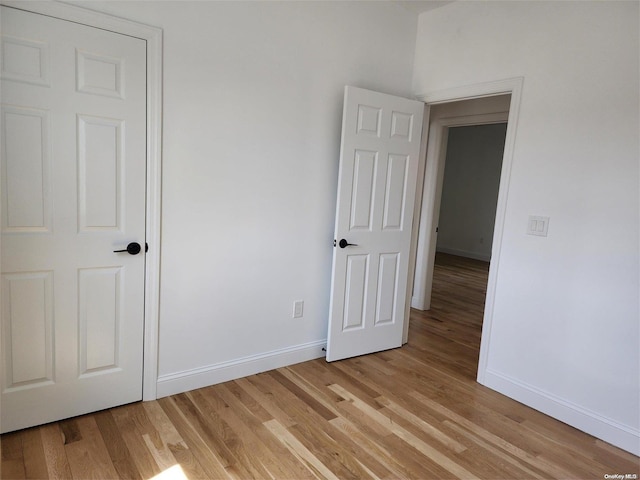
[(426, 197), (153, 38)]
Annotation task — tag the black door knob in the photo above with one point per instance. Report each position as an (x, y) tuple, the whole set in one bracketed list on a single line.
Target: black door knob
[(343, 243), (133, 248)]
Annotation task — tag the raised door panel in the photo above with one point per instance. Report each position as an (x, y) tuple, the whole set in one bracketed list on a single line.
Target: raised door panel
[(99, 74), (100, 306), (387, 288), (401, 126), (99, 173), (24, 60), (25, 170), (369, 120), (364, 178), (395, 192), (27, 302), (355, 292)]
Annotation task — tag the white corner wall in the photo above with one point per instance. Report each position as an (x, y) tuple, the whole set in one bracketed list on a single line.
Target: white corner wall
[(564, 336), (252, 120)]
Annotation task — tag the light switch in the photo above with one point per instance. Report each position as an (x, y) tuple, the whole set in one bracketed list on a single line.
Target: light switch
[(538, 226)]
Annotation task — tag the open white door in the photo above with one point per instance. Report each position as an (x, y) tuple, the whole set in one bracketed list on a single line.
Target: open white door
[(73, 123), (379, 159)]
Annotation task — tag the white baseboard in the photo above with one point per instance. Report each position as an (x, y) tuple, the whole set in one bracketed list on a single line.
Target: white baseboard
[(415, 304), (464, 253), (222, 372), (590, 422)]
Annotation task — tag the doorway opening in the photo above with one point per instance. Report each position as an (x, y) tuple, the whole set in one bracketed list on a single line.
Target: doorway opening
[(454, 116), (464, 235)]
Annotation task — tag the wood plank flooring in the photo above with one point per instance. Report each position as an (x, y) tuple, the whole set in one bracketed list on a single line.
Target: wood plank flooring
[(414, 412)]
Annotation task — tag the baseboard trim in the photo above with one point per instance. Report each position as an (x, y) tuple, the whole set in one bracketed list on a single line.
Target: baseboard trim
[(465, 253), (588, 421), (416, 304), (222, 372)]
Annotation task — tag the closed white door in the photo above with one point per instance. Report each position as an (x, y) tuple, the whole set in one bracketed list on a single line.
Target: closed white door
[(379, 159), (73, 191)]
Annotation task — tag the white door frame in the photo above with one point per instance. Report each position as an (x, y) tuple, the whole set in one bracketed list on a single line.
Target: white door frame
[(432, 195), (153, 38), (512, 86)]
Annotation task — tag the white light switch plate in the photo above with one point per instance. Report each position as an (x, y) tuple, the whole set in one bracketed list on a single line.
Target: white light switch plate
[(538, 226)]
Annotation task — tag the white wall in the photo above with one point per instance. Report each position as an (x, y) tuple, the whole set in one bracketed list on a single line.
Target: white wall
[(564, 335), (252, 117), (470, 190)]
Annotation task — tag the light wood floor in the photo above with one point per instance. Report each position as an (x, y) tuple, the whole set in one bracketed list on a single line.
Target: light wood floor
[(414, 412)]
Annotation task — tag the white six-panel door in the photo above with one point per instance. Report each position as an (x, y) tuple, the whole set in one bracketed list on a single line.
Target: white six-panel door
[(379, 159), (72, 191)]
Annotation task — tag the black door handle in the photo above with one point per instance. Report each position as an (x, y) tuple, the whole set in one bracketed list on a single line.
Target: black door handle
[(343, 243), (133, 248)]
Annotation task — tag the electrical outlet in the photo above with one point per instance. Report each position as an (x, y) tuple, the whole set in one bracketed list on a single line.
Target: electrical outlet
[(298, 308)]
